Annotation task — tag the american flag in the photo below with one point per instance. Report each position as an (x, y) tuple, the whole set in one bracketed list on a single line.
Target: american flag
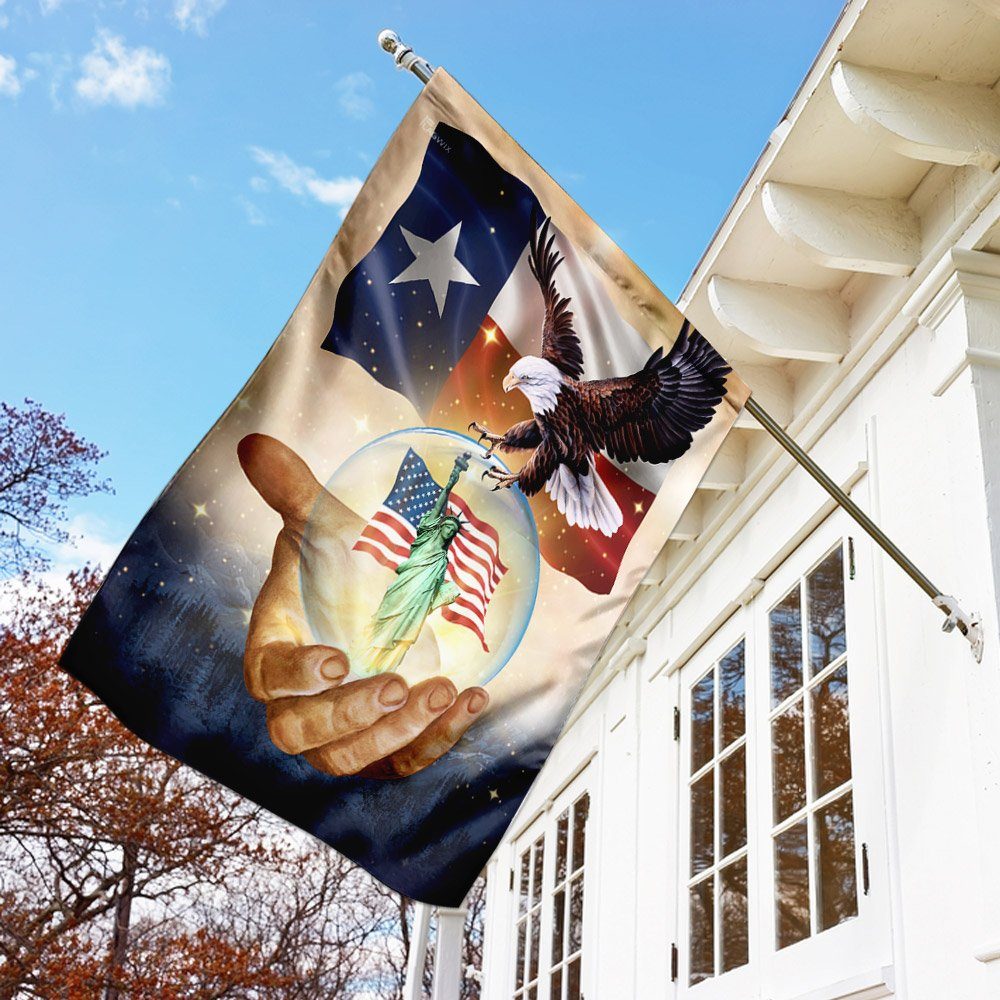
[(474, 564)]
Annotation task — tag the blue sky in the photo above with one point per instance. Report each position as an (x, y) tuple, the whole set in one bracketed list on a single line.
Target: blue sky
[(172, 171)]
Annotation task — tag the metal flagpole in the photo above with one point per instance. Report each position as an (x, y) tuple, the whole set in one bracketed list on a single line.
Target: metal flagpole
[(968, 625)]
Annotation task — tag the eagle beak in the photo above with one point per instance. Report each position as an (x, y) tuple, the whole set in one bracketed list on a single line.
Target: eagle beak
[(509, 381)]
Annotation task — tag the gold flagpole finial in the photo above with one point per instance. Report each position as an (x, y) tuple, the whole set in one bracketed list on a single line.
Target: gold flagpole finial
[(404, 56)]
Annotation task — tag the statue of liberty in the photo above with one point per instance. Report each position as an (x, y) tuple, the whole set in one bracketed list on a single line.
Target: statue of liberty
[(420, 585)]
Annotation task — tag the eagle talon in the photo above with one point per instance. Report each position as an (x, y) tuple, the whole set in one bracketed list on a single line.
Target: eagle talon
[(485, 435), (503, 479)]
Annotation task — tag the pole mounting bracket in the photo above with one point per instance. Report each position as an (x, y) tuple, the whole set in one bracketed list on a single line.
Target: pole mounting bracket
[(969, 625)]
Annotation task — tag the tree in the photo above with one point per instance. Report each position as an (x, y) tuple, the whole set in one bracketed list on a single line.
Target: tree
[(43, 465), (101, 819), (124, 874)]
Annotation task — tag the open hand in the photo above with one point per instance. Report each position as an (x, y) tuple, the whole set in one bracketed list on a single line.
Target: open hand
[(378, 726)]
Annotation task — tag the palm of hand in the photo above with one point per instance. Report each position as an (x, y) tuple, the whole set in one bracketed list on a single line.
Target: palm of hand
[(378, 726)]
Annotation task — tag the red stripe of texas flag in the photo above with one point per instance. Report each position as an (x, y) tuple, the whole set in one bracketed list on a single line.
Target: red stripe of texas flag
[(473, 392)]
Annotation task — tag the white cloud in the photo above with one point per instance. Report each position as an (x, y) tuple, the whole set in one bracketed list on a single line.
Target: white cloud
[(10, 82), (92, 542), (259, 184), (48, 6), (195, 14), (116, 74), (336, 191), (254, 215), (354, 95)]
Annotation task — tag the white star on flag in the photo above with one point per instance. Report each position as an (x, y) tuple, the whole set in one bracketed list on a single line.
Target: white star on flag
[(435, 261)]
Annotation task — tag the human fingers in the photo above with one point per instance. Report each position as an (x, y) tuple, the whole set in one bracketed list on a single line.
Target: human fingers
[(435, 741), (280, 476), (299, 724), (281, 669), (426, 702)]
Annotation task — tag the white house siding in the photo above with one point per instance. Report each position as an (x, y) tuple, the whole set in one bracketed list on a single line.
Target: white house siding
[(909, 421)]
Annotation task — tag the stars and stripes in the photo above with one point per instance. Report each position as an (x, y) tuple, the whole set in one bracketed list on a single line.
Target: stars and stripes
[(474, 564)]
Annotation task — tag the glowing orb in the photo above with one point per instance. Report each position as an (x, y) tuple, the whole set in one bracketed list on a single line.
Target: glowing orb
[(417, 631)]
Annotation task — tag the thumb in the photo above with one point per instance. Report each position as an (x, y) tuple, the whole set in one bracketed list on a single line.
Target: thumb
[(280, 476)]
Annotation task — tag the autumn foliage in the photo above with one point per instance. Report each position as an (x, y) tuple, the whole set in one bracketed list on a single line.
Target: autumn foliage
[(122, 872)]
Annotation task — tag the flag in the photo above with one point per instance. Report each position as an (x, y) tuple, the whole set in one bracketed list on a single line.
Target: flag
[(371, 595), (474, 564)]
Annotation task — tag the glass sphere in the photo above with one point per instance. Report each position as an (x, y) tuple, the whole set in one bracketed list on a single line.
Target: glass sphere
[(398, 583)]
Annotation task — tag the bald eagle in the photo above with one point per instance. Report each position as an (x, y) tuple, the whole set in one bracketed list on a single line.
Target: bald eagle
[(649, 416)]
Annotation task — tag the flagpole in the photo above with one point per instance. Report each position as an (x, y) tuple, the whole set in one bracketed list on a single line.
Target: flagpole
[(968, 624)]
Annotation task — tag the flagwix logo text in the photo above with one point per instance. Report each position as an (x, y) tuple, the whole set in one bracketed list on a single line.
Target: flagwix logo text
[(429, 125)]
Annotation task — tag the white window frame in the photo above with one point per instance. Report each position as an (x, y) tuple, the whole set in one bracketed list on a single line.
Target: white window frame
[(546, 826), (736, 982), (860, 944)]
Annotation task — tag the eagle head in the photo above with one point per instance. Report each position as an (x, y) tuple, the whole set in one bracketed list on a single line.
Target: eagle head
[(538, 379)]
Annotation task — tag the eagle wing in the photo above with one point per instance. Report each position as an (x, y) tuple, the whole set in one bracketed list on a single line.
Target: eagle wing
[(560, 344), (651, 416)]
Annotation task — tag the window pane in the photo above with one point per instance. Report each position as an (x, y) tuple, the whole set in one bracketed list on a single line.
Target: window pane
[(734, 923), (576, 915), (536, 877), (703, 822), (827, 635), (831, 733), (520, 953), (573, 981), (786, 647), (562, 835), (533, 953), (558, 921), (732, 695), (789, 757), (702, 722), (581, 810), (838, 893), (555, 992), (702, 933), (733, 795), (791, 885), (522, 905), (533, 993)]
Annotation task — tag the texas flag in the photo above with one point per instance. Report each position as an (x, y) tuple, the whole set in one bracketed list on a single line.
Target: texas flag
[(445, 303)]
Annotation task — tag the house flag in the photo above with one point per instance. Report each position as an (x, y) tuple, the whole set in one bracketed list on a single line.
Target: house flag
[(370, 597)]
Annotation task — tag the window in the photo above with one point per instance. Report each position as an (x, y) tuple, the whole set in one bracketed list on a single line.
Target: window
[(717, 889), (529, 920), (782, 879), (812, 804), (550, 882), (567, 901)]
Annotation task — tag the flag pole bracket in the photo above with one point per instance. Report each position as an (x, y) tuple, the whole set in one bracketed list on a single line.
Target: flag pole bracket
[(969, 625)]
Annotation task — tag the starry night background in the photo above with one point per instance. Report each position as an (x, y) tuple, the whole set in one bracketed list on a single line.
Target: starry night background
[(163, 646)]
